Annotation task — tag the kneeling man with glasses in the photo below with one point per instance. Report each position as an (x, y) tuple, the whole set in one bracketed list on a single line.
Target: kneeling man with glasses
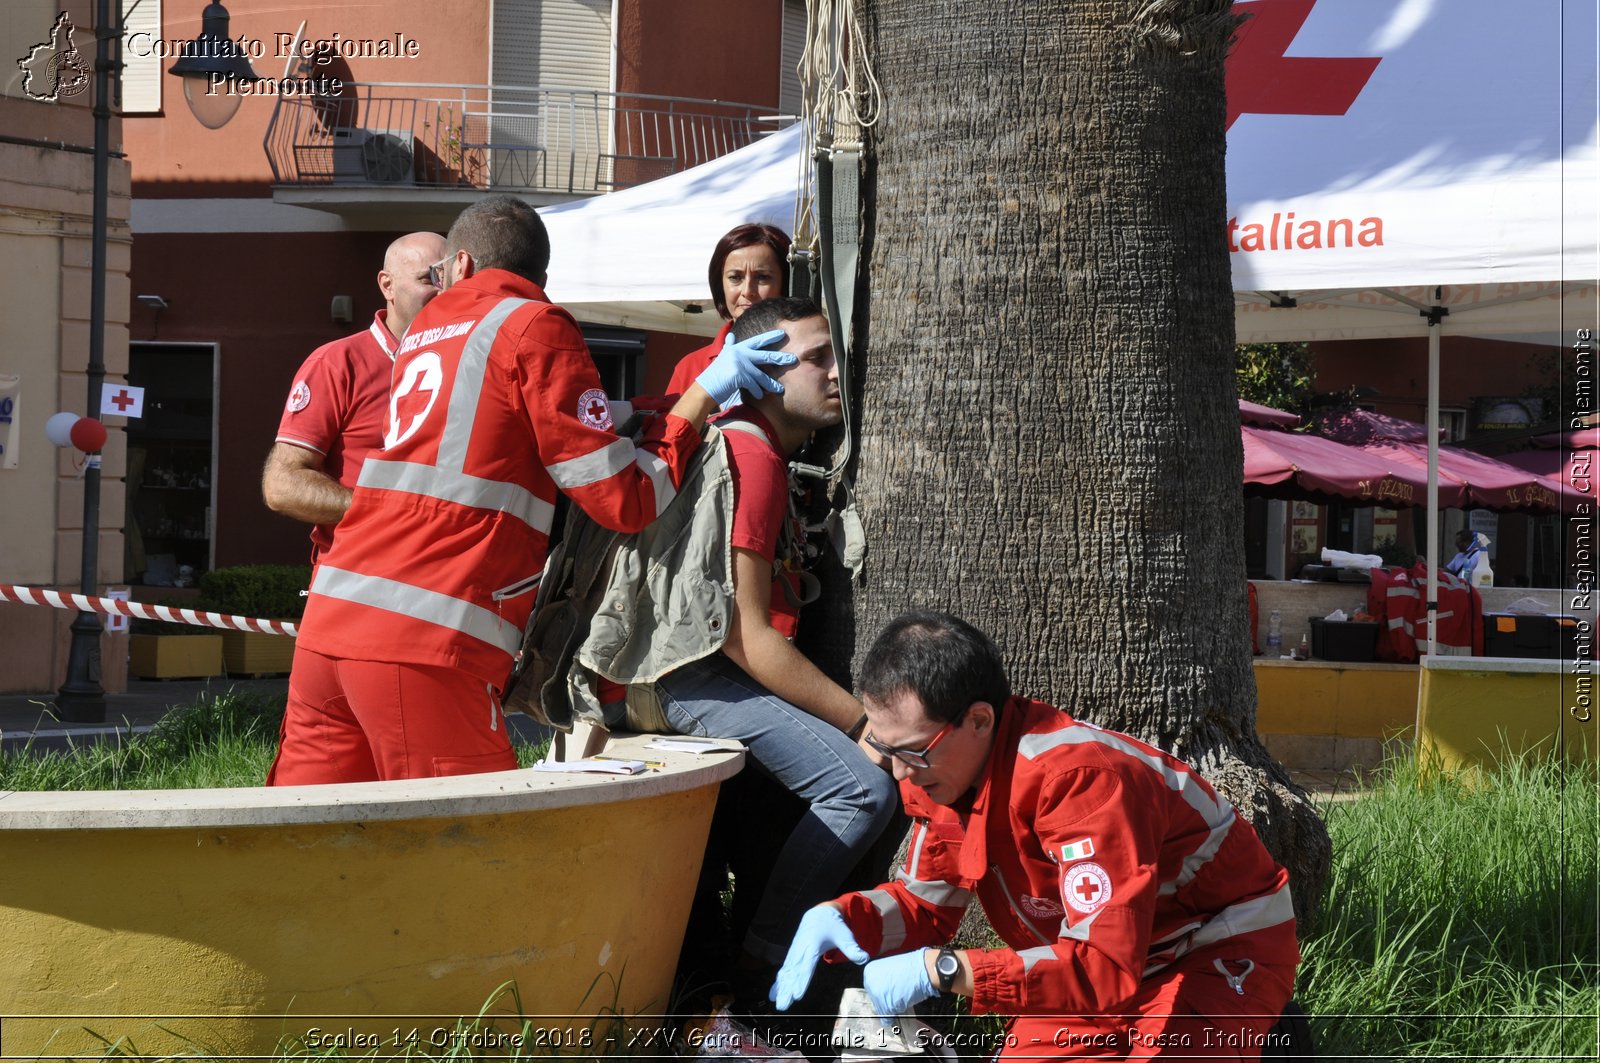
[(1142, 916)]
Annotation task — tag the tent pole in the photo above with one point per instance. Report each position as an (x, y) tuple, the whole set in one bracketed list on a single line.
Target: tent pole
[(1435, 315)]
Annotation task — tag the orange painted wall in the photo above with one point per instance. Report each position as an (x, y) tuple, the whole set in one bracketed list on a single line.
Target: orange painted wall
[(701, 48), (175, 156)]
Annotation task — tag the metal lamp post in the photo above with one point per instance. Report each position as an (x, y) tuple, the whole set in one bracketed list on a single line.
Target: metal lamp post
[(209, 57)]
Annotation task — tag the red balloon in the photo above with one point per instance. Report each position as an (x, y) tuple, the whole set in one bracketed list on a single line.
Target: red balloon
[(89, 435)]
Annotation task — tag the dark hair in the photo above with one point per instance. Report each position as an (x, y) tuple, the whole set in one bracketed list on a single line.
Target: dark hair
[(502, 232), (743, 236), (769, 314), (945, 661)]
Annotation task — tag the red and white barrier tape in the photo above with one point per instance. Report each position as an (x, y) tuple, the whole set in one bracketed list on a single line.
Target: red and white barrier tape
[(64, 600)]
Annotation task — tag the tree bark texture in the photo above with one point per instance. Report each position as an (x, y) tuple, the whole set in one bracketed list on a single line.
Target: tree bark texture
[(1049, 441)]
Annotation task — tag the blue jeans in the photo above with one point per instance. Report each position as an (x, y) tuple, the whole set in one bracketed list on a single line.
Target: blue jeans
[(851, 799)]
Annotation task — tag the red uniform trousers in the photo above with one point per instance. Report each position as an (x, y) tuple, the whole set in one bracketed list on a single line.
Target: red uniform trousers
[(361, 721)]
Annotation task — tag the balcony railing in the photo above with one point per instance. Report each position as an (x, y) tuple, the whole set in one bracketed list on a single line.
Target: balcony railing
[(502, 138)]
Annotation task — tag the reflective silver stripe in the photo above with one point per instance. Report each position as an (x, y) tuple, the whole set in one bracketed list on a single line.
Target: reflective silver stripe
[(474, 491), (660, 478), (1236, 920), (1037, 954), (467, 388), (592, 467), (1200, 857), (396, 597), (1081, 931), (943, 894), (1215, 810), (894, 924), (914, 856)]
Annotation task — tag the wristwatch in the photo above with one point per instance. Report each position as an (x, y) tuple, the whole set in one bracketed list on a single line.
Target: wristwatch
[(946, 967)]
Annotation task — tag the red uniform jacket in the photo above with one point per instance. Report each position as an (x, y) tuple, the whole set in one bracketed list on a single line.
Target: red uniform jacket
[(495, 406), (1099, 860)]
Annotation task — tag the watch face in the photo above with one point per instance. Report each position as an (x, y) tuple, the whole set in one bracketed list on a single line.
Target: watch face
[(948, 967)]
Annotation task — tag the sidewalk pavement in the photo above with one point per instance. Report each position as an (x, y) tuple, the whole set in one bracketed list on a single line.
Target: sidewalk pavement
[(26, 718), (30, 717)]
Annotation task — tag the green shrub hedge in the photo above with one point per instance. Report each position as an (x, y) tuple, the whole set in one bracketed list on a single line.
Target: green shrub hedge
[(262, 592)]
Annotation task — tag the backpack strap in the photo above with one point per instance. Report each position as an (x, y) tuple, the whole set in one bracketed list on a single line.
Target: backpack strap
[(788, 555)]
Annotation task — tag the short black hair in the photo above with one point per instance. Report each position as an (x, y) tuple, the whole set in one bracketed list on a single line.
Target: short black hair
[(502, 232), (945, 661), (769, 314)]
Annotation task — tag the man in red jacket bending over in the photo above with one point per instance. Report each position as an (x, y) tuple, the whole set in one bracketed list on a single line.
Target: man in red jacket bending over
[(1143, 917), (417, 608)]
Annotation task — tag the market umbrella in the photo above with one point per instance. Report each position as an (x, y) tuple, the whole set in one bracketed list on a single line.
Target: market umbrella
[(1266, 416), (1291, 465), (1566, 457)]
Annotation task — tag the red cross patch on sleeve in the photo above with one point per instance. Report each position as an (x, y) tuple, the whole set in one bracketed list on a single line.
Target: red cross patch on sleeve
[(1085, 887)]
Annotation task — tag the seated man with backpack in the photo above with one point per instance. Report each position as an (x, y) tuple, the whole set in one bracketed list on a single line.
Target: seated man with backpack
[(798, 724), (686, 627)]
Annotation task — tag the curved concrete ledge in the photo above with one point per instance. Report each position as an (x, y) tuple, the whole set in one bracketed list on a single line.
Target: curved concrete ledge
[(346, 915), (462, 795)]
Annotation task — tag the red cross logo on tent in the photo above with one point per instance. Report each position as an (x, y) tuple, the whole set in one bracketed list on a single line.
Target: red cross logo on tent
[(122, 400), (1261, 79), (1085, 887)]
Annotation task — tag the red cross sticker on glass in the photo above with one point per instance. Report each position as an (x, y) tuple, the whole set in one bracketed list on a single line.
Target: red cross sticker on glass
[(122, 400), (1085, 887), (1262, 79)]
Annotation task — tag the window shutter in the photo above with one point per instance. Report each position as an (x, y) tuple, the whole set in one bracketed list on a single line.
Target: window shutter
[(141, 70), (793, 48), (553, 44)]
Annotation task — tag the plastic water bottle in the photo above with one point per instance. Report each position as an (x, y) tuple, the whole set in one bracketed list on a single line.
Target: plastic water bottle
[(1275, 632)]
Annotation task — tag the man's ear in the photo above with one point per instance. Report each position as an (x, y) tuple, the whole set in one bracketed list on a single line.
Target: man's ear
[(385, 285), (982, 715)]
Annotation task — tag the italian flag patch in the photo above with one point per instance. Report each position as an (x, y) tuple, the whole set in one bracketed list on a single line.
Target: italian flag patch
[(1081, 849)]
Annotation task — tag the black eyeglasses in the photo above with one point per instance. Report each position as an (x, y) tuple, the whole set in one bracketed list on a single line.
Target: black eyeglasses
[(915, 758), (436, 273)]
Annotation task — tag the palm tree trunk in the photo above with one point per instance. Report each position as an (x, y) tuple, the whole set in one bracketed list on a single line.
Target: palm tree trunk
[(1049, 439)]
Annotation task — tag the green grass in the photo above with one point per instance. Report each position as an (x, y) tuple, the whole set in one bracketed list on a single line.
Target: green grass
[(1460, 918), (221, 740)]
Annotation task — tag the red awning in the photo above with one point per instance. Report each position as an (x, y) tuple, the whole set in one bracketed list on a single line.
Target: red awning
[(1310, 468), (1475, 481)]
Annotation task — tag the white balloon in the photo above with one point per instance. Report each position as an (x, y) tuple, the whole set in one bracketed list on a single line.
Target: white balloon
[(58, 429)]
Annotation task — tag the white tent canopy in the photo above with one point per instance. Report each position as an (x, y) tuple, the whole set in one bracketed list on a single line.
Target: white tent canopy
[(1454, 144), (638, 257)]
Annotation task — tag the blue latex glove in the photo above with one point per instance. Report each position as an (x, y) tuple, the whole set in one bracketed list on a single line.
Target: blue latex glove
[(738, 368), (898, 983), (822, 928)]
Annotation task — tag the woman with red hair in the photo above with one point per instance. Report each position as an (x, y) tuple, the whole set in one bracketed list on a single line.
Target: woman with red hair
[(750, 263)]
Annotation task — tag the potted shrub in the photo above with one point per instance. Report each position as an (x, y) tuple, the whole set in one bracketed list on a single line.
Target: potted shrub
[(261, 592), (159, 650)]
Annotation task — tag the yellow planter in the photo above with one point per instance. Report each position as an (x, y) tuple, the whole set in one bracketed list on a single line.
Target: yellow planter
[(233, 918), (174, 656), (257, 653), (1477, 711)]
